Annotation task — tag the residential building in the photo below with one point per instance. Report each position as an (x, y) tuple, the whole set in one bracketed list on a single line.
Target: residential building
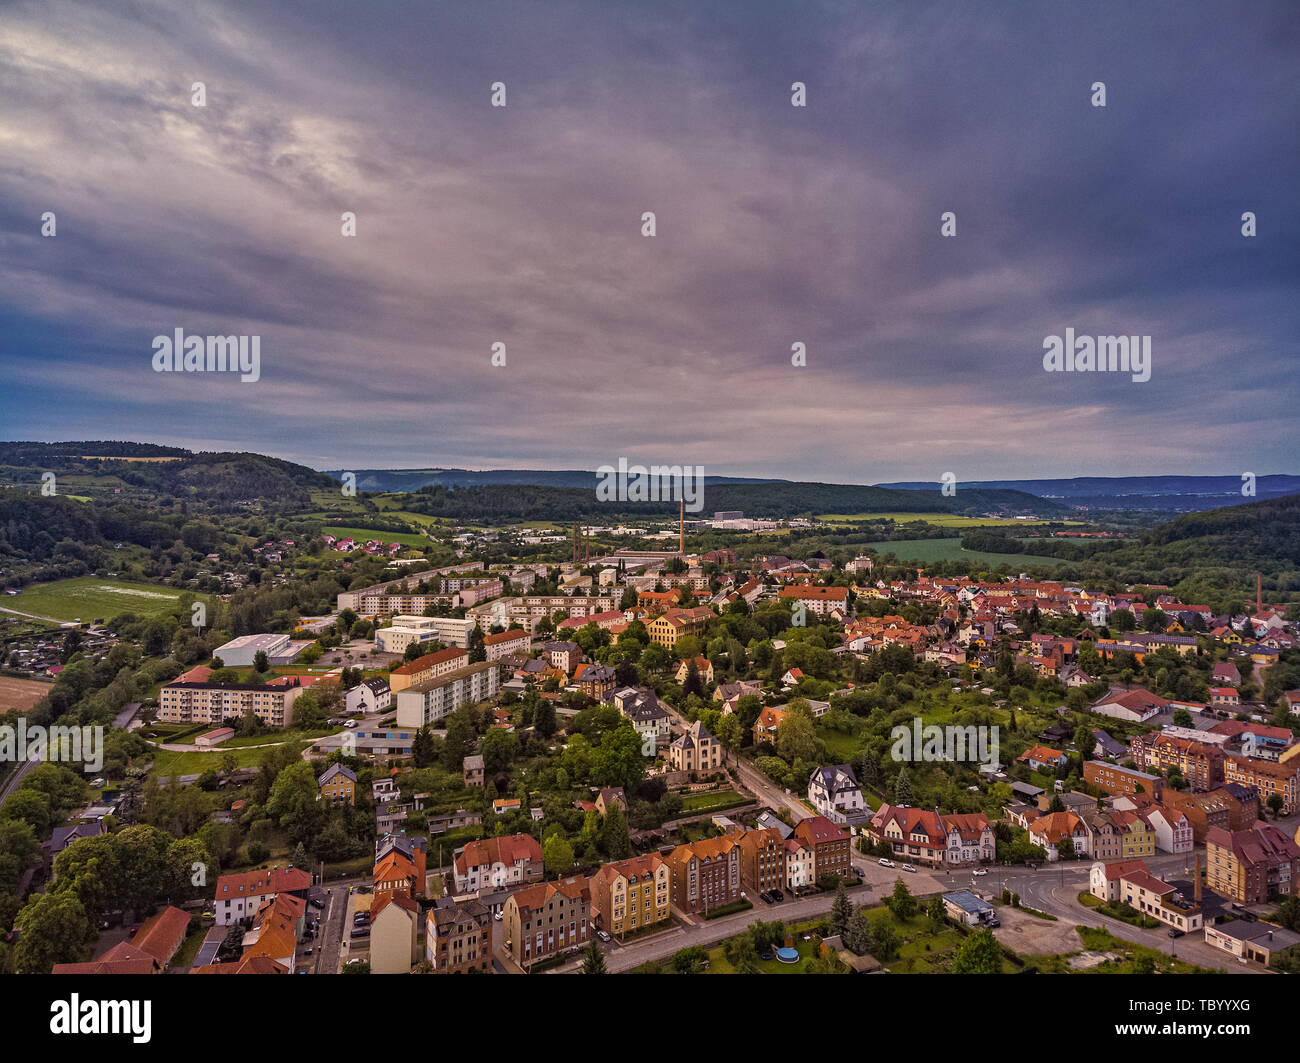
[(338, 785), (768, 724), (406, 629), (218, 702), (394, 933), (472, 770), (762, 860), (1130, 882), (649, 718), (677, 623), (504, 643), (1053, 829), (829, 844), (1114, 779), (800, 864), (1173, 830), (369, 696), (817, 599), (1267, 777), (430, 666), (1201, 763), (1252, 866), (695, 751), (458, 937), (705, 874), (435, 699), (547, 919), (510, 860), (1042, 758), (631, 894), (835, 793), (239, 896)]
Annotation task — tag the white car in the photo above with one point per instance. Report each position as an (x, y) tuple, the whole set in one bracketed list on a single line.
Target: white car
[(980, 871), (909, 867), (886, 862)]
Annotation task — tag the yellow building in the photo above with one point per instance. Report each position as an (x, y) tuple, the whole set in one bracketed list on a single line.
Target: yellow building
[(338, 785), (631, 894), (1137, 838), (677, 623)]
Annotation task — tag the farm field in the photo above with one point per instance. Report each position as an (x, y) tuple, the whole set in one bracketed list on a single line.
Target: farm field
[(941, 520), (20, 694), (928, 550), (90, 598), (362, 534)]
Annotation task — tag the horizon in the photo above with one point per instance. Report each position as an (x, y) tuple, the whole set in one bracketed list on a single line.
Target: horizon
[(776, 225)]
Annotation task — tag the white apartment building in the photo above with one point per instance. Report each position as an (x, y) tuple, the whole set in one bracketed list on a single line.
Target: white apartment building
[(406, 629), (219, 702), (433, 700)]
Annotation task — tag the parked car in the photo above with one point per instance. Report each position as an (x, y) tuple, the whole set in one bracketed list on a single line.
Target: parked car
[(886, 862), (765, 897), (777, 895), (602, 935), (909, 867)]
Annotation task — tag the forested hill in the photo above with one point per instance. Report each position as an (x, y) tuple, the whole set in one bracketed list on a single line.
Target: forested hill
[(1264, 532), (502, 502), (144, 471)]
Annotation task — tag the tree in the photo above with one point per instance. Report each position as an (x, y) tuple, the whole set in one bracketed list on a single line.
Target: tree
[(795, 737), (903, 787), (858, 935), (729, 732), (499, 747), (1275, 804), (53, 928), (461, 738), (557, 855), (413, 650), (980, 953), (615, 838), (841, 910), (423, 748), (593, 960), (901, 902), (1144, 963), (261, 662), (617, 760), (689, 960), (935, 910), (544, 718), (292, 802), (884, 941)]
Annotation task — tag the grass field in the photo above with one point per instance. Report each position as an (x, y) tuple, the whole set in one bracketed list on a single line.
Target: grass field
[(90, 598), (363, 534), (942, 520), (928, 550), (20, 694), (167, 763)]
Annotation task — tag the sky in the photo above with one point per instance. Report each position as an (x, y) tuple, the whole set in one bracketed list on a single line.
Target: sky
[(774, 225)]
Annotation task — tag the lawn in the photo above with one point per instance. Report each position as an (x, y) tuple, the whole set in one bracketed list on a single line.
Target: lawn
[(930, 550), (716, 799), (168, 763), (88, 598), (364, 534)]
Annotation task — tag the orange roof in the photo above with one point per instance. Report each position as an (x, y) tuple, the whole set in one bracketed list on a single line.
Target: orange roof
[(429, 660), (505, 636), (162, 934)]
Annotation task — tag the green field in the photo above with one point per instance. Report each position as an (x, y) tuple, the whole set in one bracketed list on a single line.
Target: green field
[(941, 520), (168, 763), (89, 598), (362, 534), (928, 550)]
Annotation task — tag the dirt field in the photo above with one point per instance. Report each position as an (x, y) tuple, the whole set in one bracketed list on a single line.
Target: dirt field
[(1031, 936), (20, 694)]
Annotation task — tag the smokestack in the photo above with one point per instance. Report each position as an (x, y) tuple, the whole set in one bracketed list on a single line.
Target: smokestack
[(1196, 880)]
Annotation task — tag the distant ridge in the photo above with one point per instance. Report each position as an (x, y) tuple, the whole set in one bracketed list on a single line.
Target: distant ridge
[(414, 479)]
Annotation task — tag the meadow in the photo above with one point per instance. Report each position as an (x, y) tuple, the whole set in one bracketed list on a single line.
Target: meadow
[(930, 550), (90, 598)]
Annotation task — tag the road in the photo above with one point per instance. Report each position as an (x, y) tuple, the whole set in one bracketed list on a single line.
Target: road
[(619, 958), (334, 925), (33, 616), (15, 780), (1055, 889)]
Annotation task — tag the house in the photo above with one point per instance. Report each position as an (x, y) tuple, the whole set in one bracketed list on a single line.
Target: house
[(458, 937), (597, 681), (504, 643), (792, 677), (1267, 777), (399, 871), (503, 805), (834, 792), (277, 926), (62, 838), (1173, 830), (678, 623), (705, 874), (820, 600), (1201, 763), (472, 769), (562, 655), (337, 785), (549, 918), (239, 896), (1040, 758), (1252, 866), (762, 859), (394, 933), (610, 796), (1130, 882), (703, 668), (1107, 746), (768, 724), (829, 845), (369, 696), (149, 951), (1115, 779), (970, 838), (1225, 673), (1053, 829), (769, 820), (631, 894), (695, 751), (649, 718), (510, 860)]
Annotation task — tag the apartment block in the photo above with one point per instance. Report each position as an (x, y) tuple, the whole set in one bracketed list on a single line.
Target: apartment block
[(435, 699), (218, 702), (631, 894)]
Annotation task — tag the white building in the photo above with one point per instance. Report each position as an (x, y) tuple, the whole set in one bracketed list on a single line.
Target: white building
[(435, 699), (420, 629), (370, 695), (239, 653), (835, 793), (1172, 829)]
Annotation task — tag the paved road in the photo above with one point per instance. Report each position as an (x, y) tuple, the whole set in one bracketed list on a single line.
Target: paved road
[(1055, 889), (15, 780), (34, 616), (334, 924), (662, 945)]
